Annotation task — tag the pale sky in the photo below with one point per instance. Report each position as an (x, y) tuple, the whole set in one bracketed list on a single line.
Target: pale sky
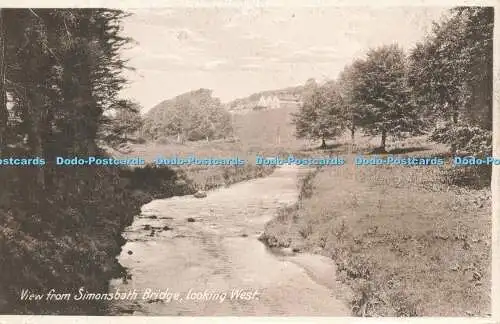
[(240, 51)]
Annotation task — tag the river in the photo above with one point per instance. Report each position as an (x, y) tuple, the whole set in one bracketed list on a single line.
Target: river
[(204, 257)]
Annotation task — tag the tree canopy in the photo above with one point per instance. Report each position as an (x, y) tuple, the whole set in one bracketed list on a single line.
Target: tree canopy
[(192, 116), (321, 116), (451, 75), (379, 92)]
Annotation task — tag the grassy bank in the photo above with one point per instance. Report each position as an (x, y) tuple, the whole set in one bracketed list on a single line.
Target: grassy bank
[(150, 182), (405, 241), (206, 177)]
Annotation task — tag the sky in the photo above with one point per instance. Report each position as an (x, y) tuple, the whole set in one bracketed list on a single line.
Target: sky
[(240, 51)]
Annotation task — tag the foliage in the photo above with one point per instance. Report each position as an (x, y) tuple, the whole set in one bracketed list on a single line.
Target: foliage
[(451, 74), (192, 116), (59, 227), (321, 114), (125, 122), (470, 140), (379, 91), (353, 112)]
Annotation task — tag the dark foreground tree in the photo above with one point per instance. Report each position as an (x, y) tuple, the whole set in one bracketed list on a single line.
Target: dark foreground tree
[(123, 125), (59, 226)]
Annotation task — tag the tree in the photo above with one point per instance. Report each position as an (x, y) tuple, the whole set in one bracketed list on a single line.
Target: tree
[(125, 121), (346, 88), (194, 116), (60, 70), (320, 116), (64, 72), (380, 90), (451, 74), (309, 88)]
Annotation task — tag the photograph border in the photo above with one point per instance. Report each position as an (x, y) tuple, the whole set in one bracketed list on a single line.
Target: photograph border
[(495, 183)]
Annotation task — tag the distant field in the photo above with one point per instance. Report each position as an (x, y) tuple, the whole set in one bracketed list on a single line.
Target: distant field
[(405, 242), (267, 129)]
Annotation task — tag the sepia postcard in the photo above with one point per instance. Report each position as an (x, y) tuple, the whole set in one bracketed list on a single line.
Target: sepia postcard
[(249, 159)]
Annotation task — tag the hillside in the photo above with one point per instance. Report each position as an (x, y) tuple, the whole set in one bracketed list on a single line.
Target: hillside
[(267, 128)]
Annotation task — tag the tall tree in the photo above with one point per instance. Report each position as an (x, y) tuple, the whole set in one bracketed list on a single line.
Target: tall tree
[(452, 76), (346, 87), (321, 114), (381, 92), (60, 69), (64, 72)]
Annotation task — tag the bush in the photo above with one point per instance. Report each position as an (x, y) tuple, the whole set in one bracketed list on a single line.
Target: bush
[(467, 139)]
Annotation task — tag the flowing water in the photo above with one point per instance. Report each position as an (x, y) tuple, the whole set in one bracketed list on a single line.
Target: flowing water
[(191, 256)]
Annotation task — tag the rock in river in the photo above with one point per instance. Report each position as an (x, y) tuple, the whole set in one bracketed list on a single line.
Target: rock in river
[(200, 194)]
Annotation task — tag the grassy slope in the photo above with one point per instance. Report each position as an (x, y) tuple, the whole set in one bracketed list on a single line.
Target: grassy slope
[(405, 243), (259, 129)]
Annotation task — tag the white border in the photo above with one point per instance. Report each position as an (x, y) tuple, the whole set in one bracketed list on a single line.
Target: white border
[(245, 3), (495, 183), (495, 296), (238, 320)]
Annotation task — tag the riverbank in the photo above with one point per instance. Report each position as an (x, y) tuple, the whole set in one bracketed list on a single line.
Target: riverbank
[(192, 177), (62, 238), (405, 242)]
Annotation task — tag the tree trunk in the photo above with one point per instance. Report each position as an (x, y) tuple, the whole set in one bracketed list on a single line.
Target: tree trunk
[(323, 143), (384, 138), (90, 111), (455, 122), (68, 92), (34, 108), (4, 113), (353, 144)]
